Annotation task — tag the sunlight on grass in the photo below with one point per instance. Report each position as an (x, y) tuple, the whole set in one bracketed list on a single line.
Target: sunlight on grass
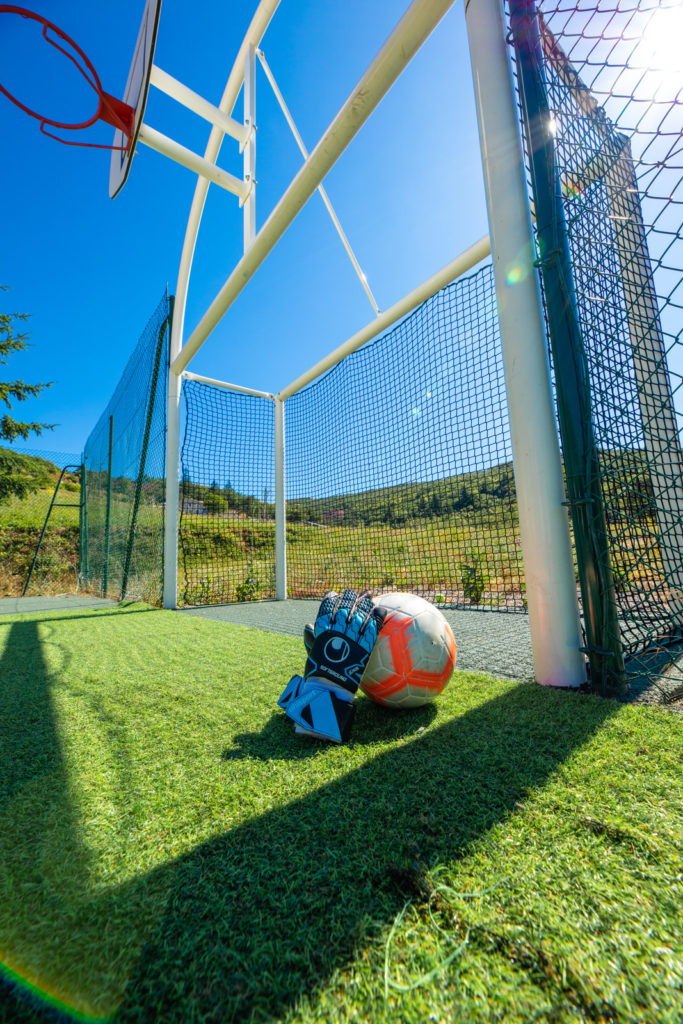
[(169, 847)]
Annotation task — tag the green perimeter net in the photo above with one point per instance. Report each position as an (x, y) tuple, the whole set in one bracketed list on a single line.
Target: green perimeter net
[(617, 122), (398, 471), (125, 461)]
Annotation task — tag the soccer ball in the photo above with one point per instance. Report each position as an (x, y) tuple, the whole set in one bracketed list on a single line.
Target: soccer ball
[(414, 655)]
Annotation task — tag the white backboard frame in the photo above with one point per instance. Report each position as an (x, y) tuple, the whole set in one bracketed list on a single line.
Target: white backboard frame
[(135, 95)]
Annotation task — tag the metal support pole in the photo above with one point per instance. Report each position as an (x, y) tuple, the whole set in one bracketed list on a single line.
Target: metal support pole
[(280, 504), (171, 496), (86, 524), (83, 530), (546, 548), (107, 524), (249, 204), (573, 386)]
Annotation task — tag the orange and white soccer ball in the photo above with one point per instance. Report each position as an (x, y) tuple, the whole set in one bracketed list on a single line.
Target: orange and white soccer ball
[(414, 655)]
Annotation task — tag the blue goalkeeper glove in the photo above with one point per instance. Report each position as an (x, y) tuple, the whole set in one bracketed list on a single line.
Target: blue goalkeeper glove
[(339, 645)]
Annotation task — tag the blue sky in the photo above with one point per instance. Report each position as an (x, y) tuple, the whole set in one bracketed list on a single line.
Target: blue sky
[(408, 191)]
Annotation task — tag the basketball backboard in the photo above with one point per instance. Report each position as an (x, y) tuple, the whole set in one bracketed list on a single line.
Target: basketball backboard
[(137, 88)]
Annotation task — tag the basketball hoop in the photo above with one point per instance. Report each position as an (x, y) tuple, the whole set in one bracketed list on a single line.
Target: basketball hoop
[(109, 109), (127, 115)]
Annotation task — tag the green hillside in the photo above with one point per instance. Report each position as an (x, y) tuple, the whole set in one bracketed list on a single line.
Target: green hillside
[(22, 518)]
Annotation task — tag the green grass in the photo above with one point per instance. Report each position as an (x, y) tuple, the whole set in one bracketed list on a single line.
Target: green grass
[(171, 850), (31, 511)]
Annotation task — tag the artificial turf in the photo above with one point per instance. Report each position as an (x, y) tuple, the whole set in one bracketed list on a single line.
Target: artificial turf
[(171, 851)]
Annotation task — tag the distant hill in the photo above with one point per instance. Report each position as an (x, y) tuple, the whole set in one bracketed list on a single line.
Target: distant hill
[(492, 490), (626, 483)]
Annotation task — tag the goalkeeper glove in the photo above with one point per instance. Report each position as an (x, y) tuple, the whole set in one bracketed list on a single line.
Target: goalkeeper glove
[(338, 646)]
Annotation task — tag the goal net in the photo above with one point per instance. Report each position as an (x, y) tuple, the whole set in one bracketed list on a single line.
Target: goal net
[(398, 470)]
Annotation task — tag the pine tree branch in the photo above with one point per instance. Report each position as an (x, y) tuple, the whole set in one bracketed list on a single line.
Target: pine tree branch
[(19, 390), (11, 429)]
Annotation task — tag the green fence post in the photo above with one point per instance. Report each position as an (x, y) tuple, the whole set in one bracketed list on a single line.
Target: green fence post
[(86, 534), (603, 633), (82, 540), (107, 527), (143, 454)]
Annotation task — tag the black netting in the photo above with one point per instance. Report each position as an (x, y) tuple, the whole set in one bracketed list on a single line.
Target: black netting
[(122, 550), (399, 463), (617, 121), (227, 492), (398, 471)]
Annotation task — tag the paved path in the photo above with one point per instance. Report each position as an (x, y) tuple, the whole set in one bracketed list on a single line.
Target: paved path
[(497, 643)]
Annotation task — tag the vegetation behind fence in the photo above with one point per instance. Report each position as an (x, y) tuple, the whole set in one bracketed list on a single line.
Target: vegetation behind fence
[(22, 520)]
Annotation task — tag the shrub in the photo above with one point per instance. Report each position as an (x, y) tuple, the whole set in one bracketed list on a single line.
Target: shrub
[(473, 577), (249, 588)]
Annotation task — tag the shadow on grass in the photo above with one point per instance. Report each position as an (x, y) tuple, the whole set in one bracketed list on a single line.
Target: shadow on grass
[(372, 725), (33, 787), (32, 751), (58, 616), (242, 926), (267, 912)]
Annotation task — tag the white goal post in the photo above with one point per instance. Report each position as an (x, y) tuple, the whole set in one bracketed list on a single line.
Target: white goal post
[(549, 572)]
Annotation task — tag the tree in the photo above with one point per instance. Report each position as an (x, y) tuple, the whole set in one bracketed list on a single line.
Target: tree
[(16, 475), (214, 504)]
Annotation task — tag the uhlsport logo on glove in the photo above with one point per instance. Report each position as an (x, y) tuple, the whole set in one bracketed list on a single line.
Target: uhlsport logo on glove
[(336, 650)]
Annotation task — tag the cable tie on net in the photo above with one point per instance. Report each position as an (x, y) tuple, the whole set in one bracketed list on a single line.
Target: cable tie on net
[(601, 651), (571, 502), (547, 257)]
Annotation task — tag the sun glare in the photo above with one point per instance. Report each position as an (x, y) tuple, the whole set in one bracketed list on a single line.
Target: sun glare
[(661, 49)]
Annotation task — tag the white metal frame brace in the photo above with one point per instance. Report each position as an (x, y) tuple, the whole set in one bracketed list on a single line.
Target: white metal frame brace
[(206, 168), (193, 101), (323, 193), (414, 27), (182, 155), (187, 375)]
